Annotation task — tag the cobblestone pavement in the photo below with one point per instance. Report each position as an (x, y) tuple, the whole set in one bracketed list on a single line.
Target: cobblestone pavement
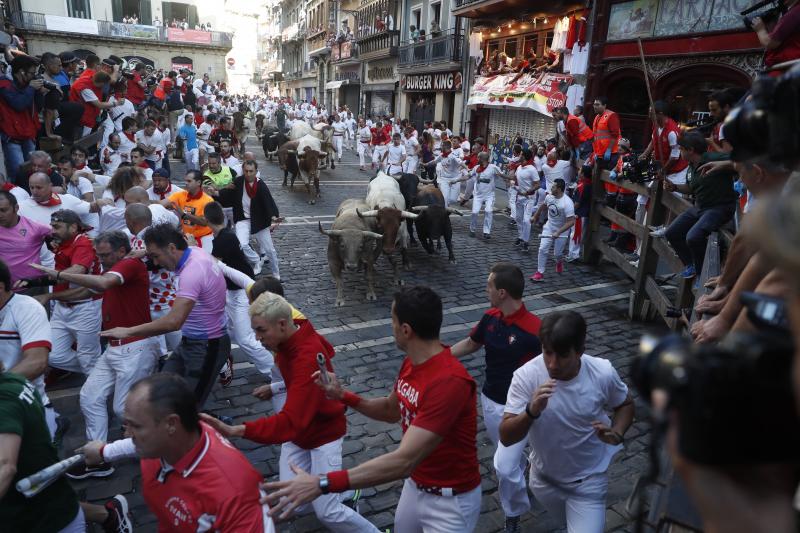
[(368, 361)]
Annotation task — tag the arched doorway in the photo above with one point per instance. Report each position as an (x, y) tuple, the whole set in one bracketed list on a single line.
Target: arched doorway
[(627, 96), (179, 62)]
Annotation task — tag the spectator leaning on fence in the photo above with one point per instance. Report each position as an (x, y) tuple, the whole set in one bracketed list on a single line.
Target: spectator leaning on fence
[(714, 203)]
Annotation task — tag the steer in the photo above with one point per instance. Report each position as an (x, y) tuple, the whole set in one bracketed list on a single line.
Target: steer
[(352, 246), (387, 209), (323, 132), (272, 140), (409, 183), (309, 155), (433, 221)]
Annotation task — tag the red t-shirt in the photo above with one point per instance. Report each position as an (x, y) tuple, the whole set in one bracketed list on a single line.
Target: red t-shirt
[(787, 31), (76, 251), (163, 89), (211, 488), (135, 91), (439, 396), (127, 305)]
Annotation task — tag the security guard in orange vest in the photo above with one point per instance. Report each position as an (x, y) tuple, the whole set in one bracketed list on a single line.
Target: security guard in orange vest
[(577, 132), (606, 134)]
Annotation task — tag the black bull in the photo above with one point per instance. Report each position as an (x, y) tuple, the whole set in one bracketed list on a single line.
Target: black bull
[(271, 140), (433, 221)]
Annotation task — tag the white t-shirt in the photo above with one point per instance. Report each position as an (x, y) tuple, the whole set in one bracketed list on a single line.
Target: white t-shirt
[(396, 153), (558, 211), (485, 180), (40, 213), (364, 134), (526, 176), (162, 215), (20, 194), (156, 140), (412, 146), (84, 186), (338, 128), (565, 447), (24, 324), (561, 170), (245, 203), (154, 196), (119, 113)]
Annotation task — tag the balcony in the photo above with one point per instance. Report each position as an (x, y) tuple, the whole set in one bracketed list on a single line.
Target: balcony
[(492, 8), (348, 76), (39, 22), (318, 44), (378, 45), (294, 33), (446, 48), (344, 53)]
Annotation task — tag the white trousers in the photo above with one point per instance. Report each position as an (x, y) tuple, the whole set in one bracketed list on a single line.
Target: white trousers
[(168, 341), (118, 368), (487, 202), (348, 139), (337, 145), (377, 153), (236, 306), (78, 525), (422, 512), (364, 152), (329, 509), (79, 324), (512, 201), (192, 159), (449, 189), (582, 506), (524, 211), (469, 188), (207, 242), (410, 165), (265, 244), (509, 462), (560, 246)]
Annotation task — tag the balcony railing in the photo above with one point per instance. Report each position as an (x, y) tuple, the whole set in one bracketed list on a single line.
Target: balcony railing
[(318, 43), (443, 48), (348, 76), (384, 43), (28, 20)]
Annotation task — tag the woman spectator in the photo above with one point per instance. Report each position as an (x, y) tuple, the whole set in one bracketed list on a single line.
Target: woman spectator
[(428, 155)]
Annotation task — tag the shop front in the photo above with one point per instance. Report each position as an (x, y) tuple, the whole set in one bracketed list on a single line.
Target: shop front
[(349, 86), (430, 97), (379, 87)]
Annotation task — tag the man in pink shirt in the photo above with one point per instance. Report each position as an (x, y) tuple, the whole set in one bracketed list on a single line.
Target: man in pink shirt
[(20, 239)]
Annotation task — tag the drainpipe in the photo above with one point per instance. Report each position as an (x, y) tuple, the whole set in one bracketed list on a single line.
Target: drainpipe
[(468, 75)]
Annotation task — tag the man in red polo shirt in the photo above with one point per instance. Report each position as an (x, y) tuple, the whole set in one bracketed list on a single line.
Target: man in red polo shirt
[(434, 401), (124, 285), (136, 85), (76, 314), (381, 137)]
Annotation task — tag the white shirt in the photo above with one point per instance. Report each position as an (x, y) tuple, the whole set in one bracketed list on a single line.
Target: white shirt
[(162, 215), (84, 186), (565, 446), (119, 113), (154, 196), (20, 194), (156, 140), (395, 154), (364, 134), (245, 202), (449, 167), (559, 171), (351, 124), (24, 325), (339, 127), (465, 146), (485, 180), (558, 211), (110, 159), (412, 146), (30, 208), (526, 176), (539, 161)]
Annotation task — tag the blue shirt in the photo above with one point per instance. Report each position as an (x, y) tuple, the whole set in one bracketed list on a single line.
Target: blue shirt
[(189, 134), (62, 79)]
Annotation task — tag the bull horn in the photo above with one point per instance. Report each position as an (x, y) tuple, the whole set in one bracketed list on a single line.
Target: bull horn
[(454, 211), (398, 177), (273, 136), (372, 213), (372, 234), (408, 215), (420, 207), (291, 152), (330, 232), (426, 182)]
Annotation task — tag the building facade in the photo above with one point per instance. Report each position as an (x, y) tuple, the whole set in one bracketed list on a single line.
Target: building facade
[(377, 37), (346, 84), (299, 72), (691, 49)]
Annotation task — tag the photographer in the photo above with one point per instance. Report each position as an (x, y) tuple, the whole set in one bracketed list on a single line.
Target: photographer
[(136, 85), (783, 42), (21, 98), (714, 203), (56, 102)]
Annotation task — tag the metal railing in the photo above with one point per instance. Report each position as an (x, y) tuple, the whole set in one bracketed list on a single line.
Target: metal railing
[(444, 47), (384, 43), (28, 20)]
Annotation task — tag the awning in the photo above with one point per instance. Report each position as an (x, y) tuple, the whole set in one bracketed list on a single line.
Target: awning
[(379, 87), (334, 84), (499, 91)]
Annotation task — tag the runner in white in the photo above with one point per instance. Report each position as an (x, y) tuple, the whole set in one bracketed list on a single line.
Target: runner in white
[(395, 156), (412, 152), (364, 139), (339, 131), (560, 218)]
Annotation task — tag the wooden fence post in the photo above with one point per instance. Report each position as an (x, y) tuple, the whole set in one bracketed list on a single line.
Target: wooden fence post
[(648, 258), (591, 254)]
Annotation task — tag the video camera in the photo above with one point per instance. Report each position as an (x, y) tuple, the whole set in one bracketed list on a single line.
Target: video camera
[(732, 396), (638, 171), (766, 124), (49, 85), (768, 15)]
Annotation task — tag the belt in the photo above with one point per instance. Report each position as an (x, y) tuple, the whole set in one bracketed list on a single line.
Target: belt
[(75, 304), (338, 134), (363, 142), (438, 491), (123, 342), (484, 180)]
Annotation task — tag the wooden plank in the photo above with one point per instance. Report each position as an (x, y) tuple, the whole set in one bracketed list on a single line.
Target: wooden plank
[(615, 256), (644, 190), (711, 268), (674, 204), (659, 300), (618, 218), (726, 238), (648, 256), (665, 252)]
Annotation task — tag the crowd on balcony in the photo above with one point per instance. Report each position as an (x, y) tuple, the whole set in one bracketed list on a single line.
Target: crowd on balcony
[(419, 35), (383, 21), (175, 23)]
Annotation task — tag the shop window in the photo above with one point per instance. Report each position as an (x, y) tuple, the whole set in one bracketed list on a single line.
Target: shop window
[(548, 39), (491, 48), (531, 42), (510, 47)]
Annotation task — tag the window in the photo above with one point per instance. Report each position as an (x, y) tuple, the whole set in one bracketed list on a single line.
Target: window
[(491, 48), (436, 13), (416, 17), (79, 9), (548, 40), (510, 47), (531, 42)]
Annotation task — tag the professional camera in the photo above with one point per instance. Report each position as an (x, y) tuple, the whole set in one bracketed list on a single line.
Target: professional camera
[(638, 171), (49, 85), (766, 124), (730, 398), (768, 15)]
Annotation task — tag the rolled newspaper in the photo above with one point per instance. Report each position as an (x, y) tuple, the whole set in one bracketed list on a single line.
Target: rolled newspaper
[(38, 481)]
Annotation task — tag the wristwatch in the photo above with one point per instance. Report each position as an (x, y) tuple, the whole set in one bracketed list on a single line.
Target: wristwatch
[(528, 412), (323, 484)]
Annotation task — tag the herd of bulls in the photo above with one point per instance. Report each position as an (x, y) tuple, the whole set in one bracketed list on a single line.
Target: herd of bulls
[(364, 228)]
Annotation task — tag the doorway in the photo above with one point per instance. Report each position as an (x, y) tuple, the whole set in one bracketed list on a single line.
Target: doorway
[(421, 108)]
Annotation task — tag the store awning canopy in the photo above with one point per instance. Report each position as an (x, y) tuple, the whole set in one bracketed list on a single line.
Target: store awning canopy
[(335, 84), (528, 92)]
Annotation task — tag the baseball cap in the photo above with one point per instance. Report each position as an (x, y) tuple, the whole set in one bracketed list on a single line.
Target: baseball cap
[(67, 57), (161, 172), (694, 140), (68, 216)]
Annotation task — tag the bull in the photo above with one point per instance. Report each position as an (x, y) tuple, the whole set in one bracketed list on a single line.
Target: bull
[(271, 140), (409, 184), (433, 221), (323, 132), (352, 246), (387, 211), (260, 119), (302, 157)]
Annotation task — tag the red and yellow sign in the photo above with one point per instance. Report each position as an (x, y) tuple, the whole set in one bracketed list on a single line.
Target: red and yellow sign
[(531, 91)]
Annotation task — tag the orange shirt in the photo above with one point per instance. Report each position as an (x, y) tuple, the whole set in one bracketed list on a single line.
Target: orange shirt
[(192, 206)]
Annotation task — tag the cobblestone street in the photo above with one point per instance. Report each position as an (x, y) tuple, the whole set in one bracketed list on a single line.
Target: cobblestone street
[(367, 359)]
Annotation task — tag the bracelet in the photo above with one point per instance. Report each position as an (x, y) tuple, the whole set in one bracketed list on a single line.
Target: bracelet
[(58, 275), (338, 481), (528, 412), (351, 399), (102, 457)]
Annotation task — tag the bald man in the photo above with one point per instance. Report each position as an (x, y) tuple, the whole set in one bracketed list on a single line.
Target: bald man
[(160, 214), (250, 156)]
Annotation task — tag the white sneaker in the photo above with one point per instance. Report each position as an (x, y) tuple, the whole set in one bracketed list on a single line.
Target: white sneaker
[(659, 232)]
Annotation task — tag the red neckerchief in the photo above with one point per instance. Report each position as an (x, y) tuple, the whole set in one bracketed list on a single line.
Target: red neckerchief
[(226, 155), (190, 196), (551, 164), (80, 167), (445, 154), (143, 165), (166, 191), (53, 201), (251, 189), (8, 186), (481, 168), (131, 136)]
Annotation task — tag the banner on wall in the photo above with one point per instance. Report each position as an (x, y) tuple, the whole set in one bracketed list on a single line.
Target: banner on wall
[(498, 91), (188, 36), (661, 18), (178, 66), (71, 25), (134, 31)]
